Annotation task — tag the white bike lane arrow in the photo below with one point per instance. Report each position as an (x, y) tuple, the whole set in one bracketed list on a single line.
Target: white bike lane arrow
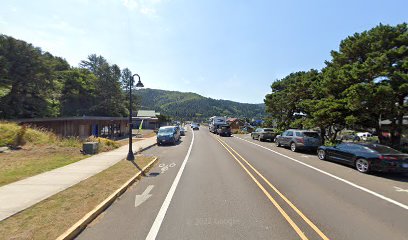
[(144, 196)]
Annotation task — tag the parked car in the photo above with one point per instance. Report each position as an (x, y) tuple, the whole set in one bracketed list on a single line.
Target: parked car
[(350, 137), (366, 157), (170, 134), (194, 126), (224, 130), (299, 139), (182, 131), (263, 134), (364, 135)]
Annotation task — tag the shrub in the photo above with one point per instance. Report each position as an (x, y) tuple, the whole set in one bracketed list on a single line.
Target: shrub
[(8, 133), (330, 143), (104, 143), (20, 141), (70, 142), (373, 139), (13, 135), (40, 136)]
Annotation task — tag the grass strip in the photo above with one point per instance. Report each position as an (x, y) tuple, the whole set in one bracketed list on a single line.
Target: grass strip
[(51, 217)]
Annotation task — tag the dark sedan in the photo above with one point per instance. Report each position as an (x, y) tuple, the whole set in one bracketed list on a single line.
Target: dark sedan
[(169, 134), (366, 157)]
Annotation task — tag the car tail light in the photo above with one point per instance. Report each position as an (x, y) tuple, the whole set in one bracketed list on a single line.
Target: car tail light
[(300, 140), (388, 157)]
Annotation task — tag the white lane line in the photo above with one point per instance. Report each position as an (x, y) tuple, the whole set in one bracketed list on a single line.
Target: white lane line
[(335, 177), (154, 230)]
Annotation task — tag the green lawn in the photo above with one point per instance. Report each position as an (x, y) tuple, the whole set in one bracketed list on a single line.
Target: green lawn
[(32, 160)]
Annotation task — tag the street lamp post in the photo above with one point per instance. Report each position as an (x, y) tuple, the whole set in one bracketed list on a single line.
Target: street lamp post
[(139, 84)]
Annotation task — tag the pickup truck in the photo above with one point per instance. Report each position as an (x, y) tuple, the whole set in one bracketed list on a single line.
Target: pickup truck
[(224, 130)]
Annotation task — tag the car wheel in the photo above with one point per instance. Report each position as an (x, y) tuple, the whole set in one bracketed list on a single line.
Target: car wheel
[(321, 154), (252, 136), (293, 147), (259, 138), (277, 143), (362, 165)]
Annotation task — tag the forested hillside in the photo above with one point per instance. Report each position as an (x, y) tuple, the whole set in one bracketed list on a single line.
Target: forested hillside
[(193, 106), (34, 83)]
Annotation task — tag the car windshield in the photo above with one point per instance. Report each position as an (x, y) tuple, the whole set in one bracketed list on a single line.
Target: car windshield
[(383, 149), (165, 130), (311, 134)]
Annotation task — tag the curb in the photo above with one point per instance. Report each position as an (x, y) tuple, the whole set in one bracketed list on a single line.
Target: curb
[(73, 231), (146, 148)]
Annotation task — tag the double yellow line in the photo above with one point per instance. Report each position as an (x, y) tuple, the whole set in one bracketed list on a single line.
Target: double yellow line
[(274, 202)]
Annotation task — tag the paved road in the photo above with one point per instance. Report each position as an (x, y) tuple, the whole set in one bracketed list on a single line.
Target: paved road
[(237, 188)]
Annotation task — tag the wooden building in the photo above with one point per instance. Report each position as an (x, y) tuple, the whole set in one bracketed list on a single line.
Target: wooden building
[(149, 118), (235, 123), (82, 127)]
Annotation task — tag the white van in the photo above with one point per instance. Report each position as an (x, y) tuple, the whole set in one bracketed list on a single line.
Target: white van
[(364, 135)]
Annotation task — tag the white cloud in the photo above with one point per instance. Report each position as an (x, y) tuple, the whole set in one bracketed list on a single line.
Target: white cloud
[(145, 7), (148, 11), (131, 4)]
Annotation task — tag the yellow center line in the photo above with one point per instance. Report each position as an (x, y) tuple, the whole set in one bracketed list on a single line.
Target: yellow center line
[(274, 202), (307, 220)]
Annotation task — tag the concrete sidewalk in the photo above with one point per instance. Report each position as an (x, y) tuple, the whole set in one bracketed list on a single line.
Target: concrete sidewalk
[(17, 196)]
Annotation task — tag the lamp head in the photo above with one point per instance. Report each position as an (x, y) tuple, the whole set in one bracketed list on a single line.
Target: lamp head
[(139, 84)]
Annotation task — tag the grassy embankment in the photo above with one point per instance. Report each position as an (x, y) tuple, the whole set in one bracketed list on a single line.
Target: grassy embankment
[(36, 151)]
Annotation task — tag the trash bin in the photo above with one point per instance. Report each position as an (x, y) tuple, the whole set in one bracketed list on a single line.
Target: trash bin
[(90, 147)]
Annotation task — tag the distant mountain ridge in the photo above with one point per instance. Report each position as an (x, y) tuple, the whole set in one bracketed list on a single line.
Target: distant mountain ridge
[(190, 106)]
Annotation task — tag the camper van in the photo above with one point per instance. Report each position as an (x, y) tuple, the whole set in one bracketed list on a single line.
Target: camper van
[(215, 122)]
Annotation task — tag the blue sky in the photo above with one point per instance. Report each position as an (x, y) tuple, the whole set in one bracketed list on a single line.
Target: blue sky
[(221, 49)]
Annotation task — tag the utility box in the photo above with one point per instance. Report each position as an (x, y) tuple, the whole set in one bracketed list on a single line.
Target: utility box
[(90, 147)]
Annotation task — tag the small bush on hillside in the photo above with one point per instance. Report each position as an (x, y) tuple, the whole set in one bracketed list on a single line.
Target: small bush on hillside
[(70, 142), (19, 140), (104, 143), (8, 133), (40, 136), (13, 135)]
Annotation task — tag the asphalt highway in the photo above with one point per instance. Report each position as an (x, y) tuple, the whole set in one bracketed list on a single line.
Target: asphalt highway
[(211, 187)]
